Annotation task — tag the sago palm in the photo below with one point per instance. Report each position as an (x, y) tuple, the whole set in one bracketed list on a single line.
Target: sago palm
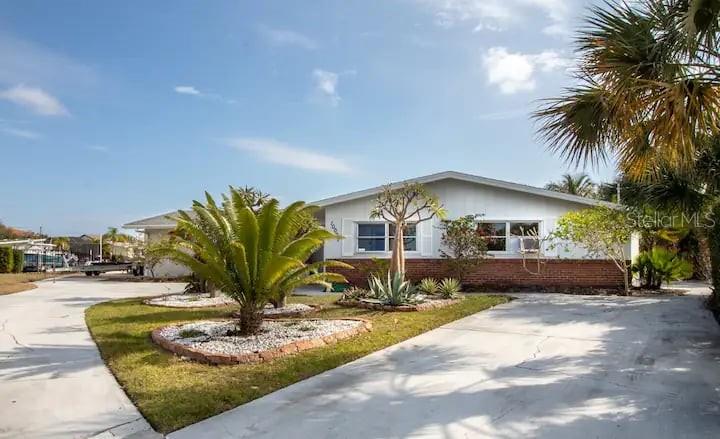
[(251, 256), (648, 94)]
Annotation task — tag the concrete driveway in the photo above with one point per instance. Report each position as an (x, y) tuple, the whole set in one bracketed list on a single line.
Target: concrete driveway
[(53, 383), (549, 366)]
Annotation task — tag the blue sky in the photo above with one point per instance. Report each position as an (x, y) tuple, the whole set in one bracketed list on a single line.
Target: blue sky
[(113, 111)]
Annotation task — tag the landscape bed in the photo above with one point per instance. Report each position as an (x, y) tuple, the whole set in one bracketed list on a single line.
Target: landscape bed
[(422, 306), (172, 392), (205, 300), (212, 342)]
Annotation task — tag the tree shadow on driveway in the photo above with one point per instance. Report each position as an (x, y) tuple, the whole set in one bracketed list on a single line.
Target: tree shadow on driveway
[(543, 366)]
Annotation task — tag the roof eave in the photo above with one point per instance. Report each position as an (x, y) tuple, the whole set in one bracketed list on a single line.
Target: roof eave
[(472, 179)]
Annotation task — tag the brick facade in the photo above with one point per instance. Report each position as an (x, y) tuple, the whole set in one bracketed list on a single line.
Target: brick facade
[(507, 273)]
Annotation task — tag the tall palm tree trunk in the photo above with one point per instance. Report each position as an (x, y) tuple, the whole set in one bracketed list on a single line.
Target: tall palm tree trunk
[(714, 244)]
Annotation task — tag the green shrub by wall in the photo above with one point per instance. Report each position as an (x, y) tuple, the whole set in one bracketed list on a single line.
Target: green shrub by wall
[(6, 260), (18, 261)]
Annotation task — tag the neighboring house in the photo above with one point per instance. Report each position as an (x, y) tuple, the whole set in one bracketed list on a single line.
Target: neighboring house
[(502, 210), (155, 229), (87, 248)]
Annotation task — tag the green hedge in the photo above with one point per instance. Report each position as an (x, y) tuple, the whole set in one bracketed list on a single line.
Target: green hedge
[(18, 261), (6, 260)]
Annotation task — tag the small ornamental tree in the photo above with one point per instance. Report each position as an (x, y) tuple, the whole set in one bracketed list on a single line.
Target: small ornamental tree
[(409, 203), (464, 247), (602, 231)]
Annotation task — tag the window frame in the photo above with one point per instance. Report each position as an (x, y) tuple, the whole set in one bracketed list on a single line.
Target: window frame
[(508, 234), (358, 237), (386, 237)]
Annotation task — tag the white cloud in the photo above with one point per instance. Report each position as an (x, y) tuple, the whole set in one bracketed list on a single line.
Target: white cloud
[(192, 91), (557, 29), (98, 148), (284, 37), (326, 84), (550, 60), (25, 134), (26, 62), (187, 90), (35, 99), (515, 72), (498, 15), (280, 153)]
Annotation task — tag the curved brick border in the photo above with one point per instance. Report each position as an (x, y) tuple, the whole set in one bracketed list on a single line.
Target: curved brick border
[(148, 303), (425, 306), (262, 356), (286, 315)]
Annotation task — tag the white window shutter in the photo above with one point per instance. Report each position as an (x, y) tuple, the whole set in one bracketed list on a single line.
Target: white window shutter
[(348, 233), (426, 238)]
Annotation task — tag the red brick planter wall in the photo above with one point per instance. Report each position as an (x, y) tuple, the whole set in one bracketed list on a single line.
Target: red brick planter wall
[(505, 273)]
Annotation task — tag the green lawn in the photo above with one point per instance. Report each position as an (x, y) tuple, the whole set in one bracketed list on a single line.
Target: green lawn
[(172, 393)]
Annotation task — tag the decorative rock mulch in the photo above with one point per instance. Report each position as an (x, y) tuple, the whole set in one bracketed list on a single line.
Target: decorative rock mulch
[(208, 342), (423, 306), (291, 310), (189, 301)]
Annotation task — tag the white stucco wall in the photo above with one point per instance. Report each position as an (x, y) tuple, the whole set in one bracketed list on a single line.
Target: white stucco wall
[(460, 198), (163, 268)]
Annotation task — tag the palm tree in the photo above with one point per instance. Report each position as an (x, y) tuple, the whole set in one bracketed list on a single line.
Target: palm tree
[(111, 235), (251, 256), (649, 94), (579, 184), (62, 243)]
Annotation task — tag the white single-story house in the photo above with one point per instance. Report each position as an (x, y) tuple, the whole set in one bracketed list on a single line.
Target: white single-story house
[(504, 211)]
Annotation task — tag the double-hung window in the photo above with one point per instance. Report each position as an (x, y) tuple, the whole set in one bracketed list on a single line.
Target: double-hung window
[(409, 237), (495, 235), (372, 237), (506, 236), (379, 237)]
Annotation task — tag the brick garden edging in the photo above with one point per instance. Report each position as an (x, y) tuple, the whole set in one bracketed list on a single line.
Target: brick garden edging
[(286, 315), (425, 306), (262, 356)]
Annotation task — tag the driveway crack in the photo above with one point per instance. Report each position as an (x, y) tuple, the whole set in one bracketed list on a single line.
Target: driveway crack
[(535, 354), (15, 340)]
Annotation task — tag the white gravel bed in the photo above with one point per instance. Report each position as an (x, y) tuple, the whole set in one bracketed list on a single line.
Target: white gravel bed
[(287, 309), (190, 300), (214, 338), (205, 300)]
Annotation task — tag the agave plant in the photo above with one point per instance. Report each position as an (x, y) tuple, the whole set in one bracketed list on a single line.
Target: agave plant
[(428, 286), (449, 288), (396, 291), (250, 255)]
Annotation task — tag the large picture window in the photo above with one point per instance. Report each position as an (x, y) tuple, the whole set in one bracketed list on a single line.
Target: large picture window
[(506, 236), (379, 237)]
